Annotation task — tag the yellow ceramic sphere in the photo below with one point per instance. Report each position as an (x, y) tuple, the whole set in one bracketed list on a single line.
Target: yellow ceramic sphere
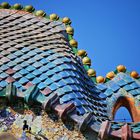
[(91, 72), (66, 20), (100, 79), (5, 5), (17, 6), (70, 30), (121, 68), (81, 53), (29, 8), (86, 61), (134, 74), (73, 43), (53, 17), (40, 13), (110, 75)]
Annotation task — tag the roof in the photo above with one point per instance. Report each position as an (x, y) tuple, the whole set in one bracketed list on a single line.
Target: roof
[(40, 65)]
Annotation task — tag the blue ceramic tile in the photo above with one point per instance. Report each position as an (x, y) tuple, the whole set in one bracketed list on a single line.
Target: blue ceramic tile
[(53, 86), (56, 78), (18, 60), (37, 57), (72, 96), (128, 79), (41, 85), (17, 68), (60, 92), (23, 72), (44, 61), (25, 49), (36, 72), (18, 53), (17, 84), (108, 92), (36, 81), (30, 68), (67, 88), (101, 87), (50, 73), (23, 80), (43, 77), (135, 85), (64, 99), (37, 64), (48, 81), (11, 56), (128, 87), (56, 69), (50, 65), (3, 84), (24, 64), (113, 86), (77, 102), (134, 92), (121, 83), (17, 75), (80, 110), (11, 64), (31, 61), (61, 83), (3, 75), (30, 76), (4, 67), (43, 69)]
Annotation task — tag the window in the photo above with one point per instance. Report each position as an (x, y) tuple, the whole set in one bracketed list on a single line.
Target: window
[(122, 115)]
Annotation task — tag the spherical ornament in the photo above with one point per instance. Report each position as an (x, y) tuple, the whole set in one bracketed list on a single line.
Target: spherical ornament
[(40, 13), (100, 79), (5, 5), (81, 53), (54, 17), (17, 6), (73, 43), (29, 8), (110, 75), (91, 72), (86, 61), (134, 74), (121, 68), (70, 30), (66, 20)]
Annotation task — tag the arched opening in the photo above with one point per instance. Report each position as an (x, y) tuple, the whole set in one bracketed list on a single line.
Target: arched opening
[(122, 115), (129, 104)]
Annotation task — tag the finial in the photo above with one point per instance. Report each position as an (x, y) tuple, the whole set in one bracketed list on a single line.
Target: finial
[(54, 17), (134, 74), (86, 61), (110, 75), (121, 68), (91, 72), (70, 30), (100, 79), (29, 8), (40, 13), (5, 5), (81, 53), (66, 20), (73, 43), (17, 6)]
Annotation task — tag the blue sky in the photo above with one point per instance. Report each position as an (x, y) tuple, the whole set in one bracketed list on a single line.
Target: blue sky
[(109, 30)]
